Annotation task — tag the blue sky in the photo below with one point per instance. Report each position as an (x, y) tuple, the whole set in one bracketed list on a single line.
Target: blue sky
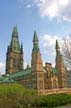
[(50, 18)]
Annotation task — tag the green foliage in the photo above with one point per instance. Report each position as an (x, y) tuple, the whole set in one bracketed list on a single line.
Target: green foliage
[(53, 100), (16, 96)]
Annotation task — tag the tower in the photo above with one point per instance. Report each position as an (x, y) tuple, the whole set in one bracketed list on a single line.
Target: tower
[(60, 67), (37, 66), (14, 55)]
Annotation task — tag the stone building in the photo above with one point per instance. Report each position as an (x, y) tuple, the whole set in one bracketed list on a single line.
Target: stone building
[(39, 77)]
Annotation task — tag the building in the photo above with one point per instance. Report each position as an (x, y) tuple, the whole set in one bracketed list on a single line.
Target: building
[(42, 78)]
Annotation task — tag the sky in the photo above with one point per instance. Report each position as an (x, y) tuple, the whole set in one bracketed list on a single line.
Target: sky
[(50, 18)]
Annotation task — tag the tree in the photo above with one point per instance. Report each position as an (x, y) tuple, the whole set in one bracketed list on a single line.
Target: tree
[(66, 48)]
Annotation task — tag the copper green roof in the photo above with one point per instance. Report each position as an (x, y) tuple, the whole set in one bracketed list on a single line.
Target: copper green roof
[(6, 79), (15, 32), (35, 38), (57, 45), (10, 78), (21, 73), (35, 42)]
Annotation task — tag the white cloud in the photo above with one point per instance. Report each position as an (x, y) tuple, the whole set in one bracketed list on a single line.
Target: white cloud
[(2, 68), (2, 65), (29, 6), (60, 9), (48, 42)]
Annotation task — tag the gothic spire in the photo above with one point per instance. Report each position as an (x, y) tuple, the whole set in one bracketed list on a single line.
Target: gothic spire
[(14, 45), (35, 39), (57, 47), (35, 42), (15, 32)]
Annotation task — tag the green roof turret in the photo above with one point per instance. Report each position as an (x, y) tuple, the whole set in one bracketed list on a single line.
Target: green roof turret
[(35, 39), (35, 42)]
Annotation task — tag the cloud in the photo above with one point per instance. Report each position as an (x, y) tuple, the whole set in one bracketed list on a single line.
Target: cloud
[(29, 6), (2, 68), (59, 9), (48, 42), (2, 64)]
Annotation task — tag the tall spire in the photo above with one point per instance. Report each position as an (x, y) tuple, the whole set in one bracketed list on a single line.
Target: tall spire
[(35, 42), (35, 39), (15, 32), (57, 46), (14, 45), (60, 67), (37, 65)]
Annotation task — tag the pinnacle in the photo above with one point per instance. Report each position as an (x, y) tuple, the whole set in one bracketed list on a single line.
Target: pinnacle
[(35, 39), (57, 45), (15, 32)]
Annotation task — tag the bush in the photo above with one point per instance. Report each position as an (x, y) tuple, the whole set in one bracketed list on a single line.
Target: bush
[(16, 96), (53, 100)]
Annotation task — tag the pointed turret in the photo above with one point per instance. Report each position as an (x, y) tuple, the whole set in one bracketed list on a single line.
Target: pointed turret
[(35, 38), (14, 45), (57, 47), (35, 42), (15, 32), (59, 58), (37, 66), (60, 67)]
